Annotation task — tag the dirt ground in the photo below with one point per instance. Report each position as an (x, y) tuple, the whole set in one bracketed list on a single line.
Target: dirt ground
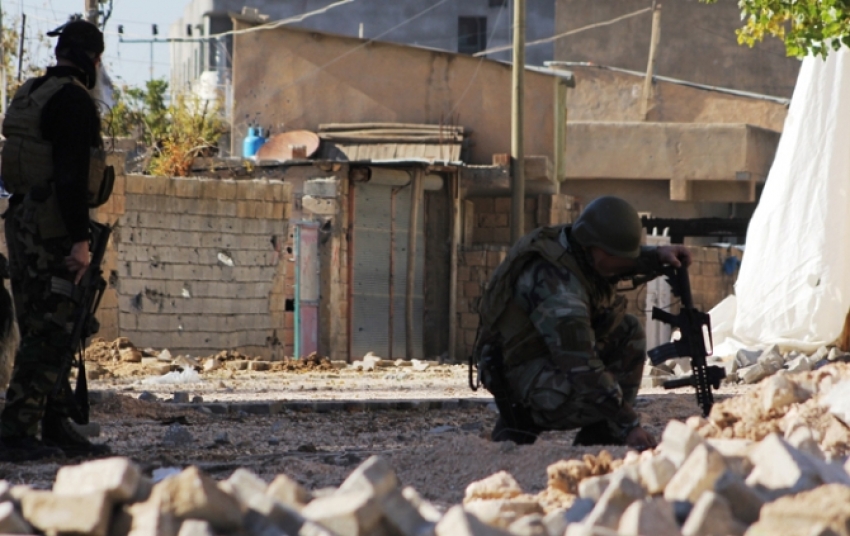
[(438, 452)]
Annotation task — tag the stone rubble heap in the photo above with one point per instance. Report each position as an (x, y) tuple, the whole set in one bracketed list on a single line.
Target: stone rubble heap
[(749, 366)]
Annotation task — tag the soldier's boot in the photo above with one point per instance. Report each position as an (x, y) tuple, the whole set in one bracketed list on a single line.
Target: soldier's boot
[(523, 436), (27, 449), (595, 434), (57, 431)]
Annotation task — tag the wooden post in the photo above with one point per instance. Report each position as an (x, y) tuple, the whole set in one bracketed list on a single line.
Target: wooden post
[(455, 243), (517, 122), (560, 132), (844, 339), (646, 97), (21, 45), (92, 12), (415, 201)]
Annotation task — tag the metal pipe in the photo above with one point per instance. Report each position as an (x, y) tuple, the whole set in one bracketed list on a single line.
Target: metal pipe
[(517, 122), (296, 324), (21, 45), (646, 97), (350, 272), (415, 200), (391, 326), (454, 190)]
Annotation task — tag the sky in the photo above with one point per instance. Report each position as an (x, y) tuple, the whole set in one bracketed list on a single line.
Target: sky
[(126, 63)]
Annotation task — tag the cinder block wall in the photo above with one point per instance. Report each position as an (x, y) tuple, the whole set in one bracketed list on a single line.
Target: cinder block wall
[(197, 265), (491, 216)]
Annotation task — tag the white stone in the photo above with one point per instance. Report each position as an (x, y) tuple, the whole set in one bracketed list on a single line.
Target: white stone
[(837, 401), (164, 355), (678, 441), (592, 488), (500, 485), (801, 438), (711, 516), (458, 522), (780, 469), (502, 513), (211, 364), (621, 493), (531, 525), (403, 517), (130, 355), (148, 519), (53, 513), (656, 473), (194, 495), (427, 510), (799, 364), (355, 513), (11, 522), (700, 471), (374, 475), (744, 501), (194, 527), (419, 366), (753, 374), (772, 360), (245, 487), (654, 516), (288, 492), (118, 477), (777, 393), (747, 358)]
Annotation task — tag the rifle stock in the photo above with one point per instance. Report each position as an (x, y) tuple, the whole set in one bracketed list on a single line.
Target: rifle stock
[(695, 341), (87, 296)]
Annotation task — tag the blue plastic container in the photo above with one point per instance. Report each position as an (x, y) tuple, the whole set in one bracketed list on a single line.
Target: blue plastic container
[(252, 142)]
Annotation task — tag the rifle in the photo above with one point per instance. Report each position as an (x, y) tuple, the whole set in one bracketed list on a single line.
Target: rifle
[(86, 296), (695, 341)]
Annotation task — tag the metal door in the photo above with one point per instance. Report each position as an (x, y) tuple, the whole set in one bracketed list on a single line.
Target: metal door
[(372, 259), (307, 284)]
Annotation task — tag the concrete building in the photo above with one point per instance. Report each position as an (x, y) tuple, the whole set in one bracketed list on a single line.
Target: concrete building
[(466, 27), (697, 44)]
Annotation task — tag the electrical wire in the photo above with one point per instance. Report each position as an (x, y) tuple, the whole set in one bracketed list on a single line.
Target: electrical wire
[(565, 34)]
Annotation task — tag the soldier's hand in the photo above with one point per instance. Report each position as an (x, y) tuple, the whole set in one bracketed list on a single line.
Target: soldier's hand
[(78, 261), (640, 439), (675, 255)]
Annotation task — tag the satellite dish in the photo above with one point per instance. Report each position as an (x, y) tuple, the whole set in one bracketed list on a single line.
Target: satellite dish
[(280, 146)]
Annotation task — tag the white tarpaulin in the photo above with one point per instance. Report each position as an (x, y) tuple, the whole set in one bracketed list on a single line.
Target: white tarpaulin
[(794, 284)]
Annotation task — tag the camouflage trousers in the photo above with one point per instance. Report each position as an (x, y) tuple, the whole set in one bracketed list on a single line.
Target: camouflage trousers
[(44, 320), (549, 395)]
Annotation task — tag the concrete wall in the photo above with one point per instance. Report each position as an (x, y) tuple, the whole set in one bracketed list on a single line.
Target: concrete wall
[(304, 84), (172, 285), (436, 28), (603, 95), (697, 44)]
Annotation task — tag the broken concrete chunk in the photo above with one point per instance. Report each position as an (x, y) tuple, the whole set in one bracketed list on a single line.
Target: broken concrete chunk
[(165, 356), (711, 516), (678, 441), (654, 516), (753, 374), (699, 473), (799, 364), (11, 522), (778, 393), (498, 486), (780, 469), (211, 364), (837, 401), (288, 492), (502, 513), (656, 473), (245, 487), (374, 476), (747, 358), (117, 477), (621, 493), (148, 519), (195, 527), (806, 514), (744, 501), (592, 488), (355, 513), (427, 510), (402, 517), (259, 366), (194, 495), (458, 522), (801, 438), (52, 513), (565, 475), (130, 355), (736, 453), (772, 360), (531, 525), (579, 511)]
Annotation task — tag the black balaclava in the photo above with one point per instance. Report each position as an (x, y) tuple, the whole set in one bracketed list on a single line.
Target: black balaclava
[(78, 41)]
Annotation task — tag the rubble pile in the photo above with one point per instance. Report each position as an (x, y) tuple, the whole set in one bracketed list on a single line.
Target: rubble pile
[(372, 362)]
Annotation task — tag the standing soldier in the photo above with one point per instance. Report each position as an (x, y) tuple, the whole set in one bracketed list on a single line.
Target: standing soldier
[(555, 346), (53, 164)]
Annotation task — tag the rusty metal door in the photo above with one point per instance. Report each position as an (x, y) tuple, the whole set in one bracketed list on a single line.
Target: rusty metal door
[(374, 255), (307, 285)]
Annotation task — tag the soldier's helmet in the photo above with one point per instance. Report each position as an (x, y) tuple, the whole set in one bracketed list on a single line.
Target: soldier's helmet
[(611, 224)]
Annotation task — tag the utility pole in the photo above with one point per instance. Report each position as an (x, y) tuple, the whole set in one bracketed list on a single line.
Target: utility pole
[(517, 123), (92, 12), (646, 97), (2, 65)]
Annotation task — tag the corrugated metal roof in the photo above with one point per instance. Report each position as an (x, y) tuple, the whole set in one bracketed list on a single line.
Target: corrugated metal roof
[(391, 142)]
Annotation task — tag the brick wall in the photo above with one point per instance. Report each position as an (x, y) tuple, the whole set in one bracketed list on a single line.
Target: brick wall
[(491, 216), (172, 284)]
